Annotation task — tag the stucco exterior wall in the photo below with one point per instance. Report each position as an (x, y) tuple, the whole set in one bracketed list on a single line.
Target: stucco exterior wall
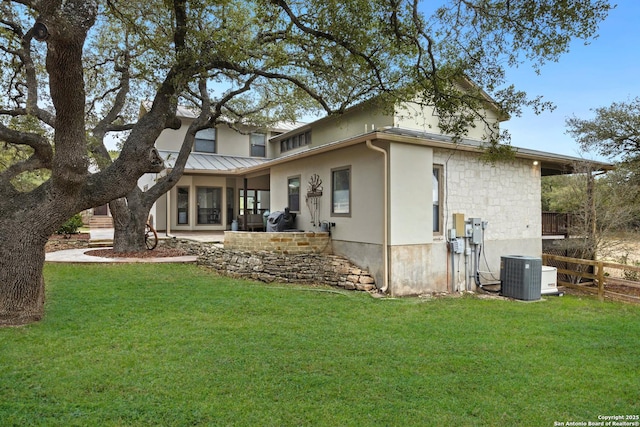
[(228, 141), (358, 236), (410, 194), (355, 122), (170, 139), (423, 118), (231, 143), (363, 223)]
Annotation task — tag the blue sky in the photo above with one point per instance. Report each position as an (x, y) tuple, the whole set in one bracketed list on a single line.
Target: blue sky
[(596, 75)]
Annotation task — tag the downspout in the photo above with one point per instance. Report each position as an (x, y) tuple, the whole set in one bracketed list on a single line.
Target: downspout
[(385, 220)]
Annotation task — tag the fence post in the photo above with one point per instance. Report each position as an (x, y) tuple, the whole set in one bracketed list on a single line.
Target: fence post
[(600, 275)]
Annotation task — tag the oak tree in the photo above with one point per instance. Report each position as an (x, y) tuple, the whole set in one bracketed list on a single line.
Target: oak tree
[(614, 132)]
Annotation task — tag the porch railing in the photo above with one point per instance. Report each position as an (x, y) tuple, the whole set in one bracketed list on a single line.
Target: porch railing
[(556, 224)]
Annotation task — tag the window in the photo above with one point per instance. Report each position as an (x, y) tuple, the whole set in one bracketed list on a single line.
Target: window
[(293, 190), (341, 191), (209, 205), (295, 141), (258, 142), (437, 198), (183, 205), (257, 201), (205, 141)]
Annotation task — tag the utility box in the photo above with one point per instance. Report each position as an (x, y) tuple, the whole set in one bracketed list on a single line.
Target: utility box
[(458, 224), (476, 231), (521, 277), (549, 282)]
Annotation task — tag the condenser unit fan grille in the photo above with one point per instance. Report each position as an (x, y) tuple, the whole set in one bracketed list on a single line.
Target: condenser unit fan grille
[(521, 277)]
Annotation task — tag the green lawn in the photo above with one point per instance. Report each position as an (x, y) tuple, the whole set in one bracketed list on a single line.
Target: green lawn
[(138, 345)]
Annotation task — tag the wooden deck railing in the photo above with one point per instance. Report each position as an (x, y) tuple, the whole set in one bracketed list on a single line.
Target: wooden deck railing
[(555, 224), (595, 276)]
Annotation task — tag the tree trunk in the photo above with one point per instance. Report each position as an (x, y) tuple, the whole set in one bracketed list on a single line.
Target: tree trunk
[(21, 279), (129, 218)]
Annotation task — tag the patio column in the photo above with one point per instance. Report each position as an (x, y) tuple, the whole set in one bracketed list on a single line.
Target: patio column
[(246, 200), (168, 225)]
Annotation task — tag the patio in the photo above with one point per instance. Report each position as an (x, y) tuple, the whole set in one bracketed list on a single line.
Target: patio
[(101, 234)]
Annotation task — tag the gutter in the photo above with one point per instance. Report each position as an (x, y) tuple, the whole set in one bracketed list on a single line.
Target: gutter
[(385, 213)]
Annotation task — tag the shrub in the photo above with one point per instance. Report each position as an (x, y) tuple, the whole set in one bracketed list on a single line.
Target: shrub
[(72, 225), (629, 274)]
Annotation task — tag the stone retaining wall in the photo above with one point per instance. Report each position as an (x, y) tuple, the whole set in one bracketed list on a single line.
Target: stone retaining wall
[(58, 243), (271, 266), (292, 242)]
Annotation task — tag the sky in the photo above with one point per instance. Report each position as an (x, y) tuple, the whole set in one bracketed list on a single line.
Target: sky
[(605, 71)]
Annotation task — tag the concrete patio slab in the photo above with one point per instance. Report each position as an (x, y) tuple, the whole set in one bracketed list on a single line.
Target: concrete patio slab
[(80, 256)]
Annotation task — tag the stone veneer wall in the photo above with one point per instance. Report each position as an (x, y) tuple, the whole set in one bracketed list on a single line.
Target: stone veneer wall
[(506, 194), (279, 266), (285, 242)]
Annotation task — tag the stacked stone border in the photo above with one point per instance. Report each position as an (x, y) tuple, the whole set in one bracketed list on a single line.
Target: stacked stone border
[(61, 243), (272, 266)]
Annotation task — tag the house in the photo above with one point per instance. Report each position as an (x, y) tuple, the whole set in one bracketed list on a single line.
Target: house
[(388, 185)]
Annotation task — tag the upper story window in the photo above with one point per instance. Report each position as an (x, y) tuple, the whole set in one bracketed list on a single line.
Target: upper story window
[(295, 141), (205, 141), (258, 145)]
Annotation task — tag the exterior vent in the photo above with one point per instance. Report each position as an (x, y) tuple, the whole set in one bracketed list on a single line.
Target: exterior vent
[(521, 277)]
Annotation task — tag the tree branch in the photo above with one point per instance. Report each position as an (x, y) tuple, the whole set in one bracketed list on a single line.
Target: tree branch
[(332, 38)]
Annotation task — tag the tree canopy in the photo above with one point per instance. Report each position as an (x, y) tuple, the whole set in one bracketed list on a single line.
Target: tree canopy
[(614, 132)]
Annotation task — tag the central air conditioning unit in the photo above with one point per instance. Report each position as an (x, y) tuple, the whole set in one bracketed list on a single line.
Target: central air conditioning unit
[(521, 277)]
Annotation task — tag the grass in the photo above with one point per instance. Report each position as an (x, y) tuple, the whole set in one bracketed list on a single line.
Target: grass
[(174, 345)]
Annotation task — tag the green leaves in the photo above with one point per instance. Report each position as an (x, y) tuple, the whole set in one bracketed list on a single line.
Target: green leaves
[(613, 132)]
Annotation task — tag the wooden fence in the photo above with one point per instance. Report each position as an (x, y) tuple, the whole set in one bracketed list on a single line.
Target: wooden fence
[(598, 277)]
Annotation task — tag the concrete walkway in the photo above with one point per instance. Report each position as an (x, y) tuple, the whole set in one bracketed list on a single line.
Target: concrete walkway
[(101, 234), (80, 256)]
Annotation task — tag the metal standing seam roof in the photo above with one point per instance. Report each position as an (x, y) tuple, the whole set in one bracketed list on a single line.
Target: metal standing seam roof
[(212, 162)]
